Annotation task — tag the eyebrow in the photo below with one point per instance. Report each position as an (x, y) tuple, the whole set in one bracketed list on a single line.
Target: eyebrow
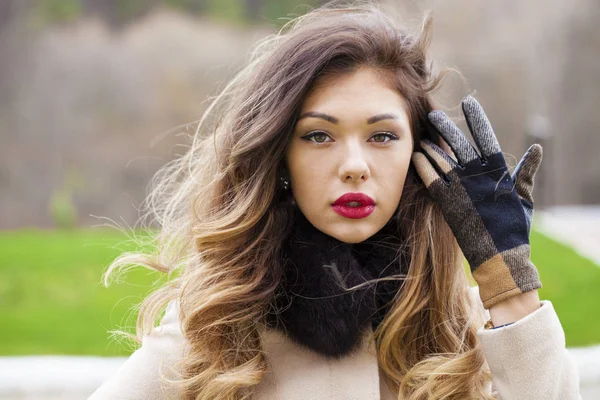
[(334, 120)]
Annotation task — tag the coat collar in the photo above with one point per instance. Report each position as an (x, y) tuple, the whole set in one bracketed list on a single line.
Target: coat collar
[(296, 372)]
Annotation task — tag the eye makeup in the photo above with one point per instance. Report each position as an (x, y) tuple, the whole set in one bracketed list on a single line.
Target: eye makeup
[(390, 135)]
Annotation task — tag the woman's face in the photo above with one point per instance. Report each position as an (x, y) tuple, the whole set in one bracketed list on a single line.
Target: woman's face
[(353, 136)]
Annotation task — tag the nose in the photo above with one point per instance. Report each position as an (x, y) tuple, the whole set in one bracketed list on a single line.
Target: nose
[(354, 165)]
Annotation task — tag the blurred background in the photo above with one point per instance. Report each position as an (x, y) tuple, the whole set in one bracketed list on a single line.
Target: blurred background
[(96, 95)]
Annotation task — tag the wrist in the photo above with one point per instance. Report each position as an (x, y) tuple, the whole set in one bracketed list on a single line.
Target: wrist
[(514, 308)]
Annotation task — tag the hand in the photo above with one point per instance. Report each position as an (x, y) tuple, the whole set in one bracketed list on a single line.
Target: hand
[(488, 209)]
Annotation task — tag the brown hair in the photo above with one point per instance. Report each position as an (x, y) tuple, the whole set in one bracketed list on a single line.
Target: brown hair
[(222, 216)]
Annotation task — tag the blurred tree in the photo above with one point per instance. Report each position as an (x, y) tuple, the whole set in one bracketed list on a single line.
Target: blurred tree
[(6, 10), (118, 13), (194, 6), (51, 11), (62, 207), (252, 9)]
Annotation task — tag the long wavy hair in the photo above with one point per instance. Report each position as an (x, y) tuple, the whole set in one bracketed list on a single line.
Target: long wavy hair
[(222, 216)]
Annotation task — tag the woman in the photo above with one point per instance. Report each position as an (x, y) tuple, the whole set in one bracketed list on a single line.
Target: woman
[(316, 236)]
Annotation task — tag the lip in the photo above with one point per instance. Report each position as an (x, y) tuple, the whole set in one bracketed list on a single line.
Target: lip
[(366, 207), (361, 198)]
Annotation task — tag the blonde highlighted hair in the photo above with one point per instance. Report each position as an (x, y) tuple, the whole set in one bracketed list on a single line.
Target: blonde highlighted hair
[(222, 215)]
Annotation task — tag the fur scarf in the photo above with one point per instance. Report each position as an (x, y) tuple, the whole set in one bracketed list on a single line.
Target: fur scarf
[(311, 305)]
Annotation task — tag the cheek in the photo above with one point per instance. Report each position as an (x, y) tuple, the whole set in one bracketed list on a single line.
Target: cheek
[(395, 174), (307, 174), (310, 179)]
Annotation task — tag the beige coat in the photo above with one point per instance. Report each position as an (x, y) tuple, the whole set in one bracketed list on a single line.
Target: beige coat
[(528, 360)]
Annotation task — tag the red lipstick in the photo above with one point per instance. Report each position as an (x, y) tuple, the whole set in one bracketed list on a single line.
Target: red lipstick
[(354, 205)]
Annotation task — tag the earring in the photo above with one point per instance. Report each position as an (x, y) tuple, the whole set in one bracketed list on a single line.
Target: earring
[(285, 184)]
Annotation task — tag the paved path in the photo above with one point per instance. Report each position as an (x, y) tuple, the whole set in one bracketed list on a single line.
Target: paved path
[(70, 378), (54, 377), (576, 226)]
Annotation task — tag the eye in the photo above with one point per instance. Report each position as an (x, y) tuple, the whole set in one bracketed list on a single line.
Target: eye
[(314, 135), (391, 136)]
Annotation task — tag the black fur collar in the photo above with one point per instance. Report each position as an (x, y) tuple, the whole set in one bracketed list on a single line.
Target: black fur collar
[(312, 308)]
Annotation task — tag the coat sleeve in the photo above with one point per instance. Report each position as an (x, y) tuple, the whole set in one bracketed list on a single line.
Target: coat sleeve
[(139, 377), (528, 359)]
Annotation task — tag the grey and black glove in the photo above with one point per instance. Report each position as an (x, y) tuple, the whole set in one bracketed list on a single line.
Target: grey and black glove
[(489, 210)]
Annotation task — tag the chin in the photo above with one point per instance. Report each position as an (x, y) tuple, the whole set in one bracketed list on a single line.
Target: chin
[(354, 237)]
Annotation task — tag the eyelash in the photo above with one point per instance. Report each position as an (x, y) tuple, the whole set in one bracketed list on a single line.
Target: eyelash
[(390, 135)]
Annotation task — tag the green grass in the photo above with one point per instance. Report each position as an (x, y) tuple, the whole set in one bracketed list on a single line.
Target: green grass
[(571, 283), (51, 297), (52, 300)]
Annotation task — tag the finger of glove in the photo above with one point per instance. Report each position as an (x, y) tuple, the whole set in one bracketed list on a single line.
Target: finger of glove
[(480, 127), (525, 171), (461, 147), (528, 208), (425, 169), (439, 156)]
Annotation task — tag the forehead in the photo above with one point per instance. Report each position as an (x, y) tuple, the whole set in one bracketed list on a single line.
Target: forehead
[(365, 88)]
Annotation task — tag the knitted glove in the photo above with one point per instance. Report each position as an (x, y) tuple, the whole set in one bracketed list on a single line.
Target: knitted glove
[(488, 209)]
